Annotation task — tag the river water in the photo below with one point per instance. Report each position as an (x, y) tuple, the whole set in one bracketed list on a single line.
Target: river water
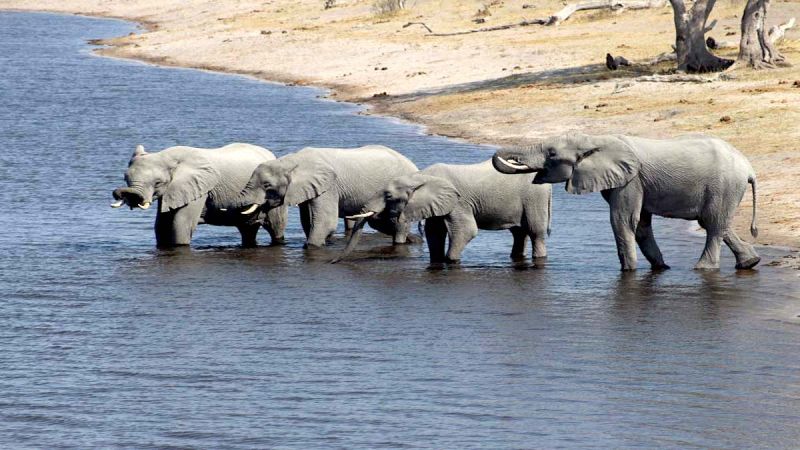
[(107, 342)]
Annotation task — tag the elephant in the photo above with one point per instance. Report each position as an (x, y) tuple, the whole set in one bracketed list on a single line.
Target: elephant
[(458, 200), (326, 184), (693, 177), (194, 186)]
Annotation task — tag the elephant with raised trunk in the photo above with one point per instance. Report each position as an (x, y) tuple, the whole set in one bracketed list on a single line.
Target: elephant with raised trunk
[(458, 200), (693, 177), (327, 184), (194, 186)]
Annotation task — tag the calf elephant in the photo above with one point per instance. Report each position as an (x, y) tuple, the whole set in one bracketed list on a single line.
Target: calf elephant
[(194, 186), (326, 183), (692, 177), (457, 200)]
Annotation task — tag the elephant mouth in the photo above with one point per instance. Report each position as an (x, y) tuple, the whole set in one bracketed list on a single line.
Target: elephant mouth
[(127, 196)]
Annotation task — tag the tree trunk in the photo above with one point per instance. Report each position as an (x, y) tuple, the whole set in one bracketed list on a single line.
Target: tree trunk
[(690, 41), (756, 49)]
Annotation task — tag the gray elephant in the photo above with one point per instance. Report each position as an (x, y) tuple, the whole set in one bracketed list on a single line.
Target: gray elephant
[(693, 177), (457, 200), (327, 184), (194, 186)]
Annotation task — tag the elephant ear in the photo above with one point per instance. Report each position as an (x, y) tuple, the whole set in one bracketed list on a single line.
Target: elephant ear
[(431, 197), (190, 181), (604, 162), (308, 181)]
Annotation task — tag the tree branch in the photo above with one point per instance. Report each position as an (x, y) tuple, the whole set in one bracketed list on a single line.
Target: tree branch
[(566, 12)]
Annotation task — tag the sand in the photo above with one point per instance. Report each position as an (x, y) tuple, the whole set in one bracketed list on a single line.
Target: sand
[(505, 87)]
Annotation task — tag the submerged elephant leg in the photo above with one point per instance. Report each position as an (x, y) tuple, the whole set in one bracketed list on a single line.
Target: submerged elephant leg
[(647, 242), (435, 234), (276, 224), (324, 217), (537, 232), (625, 205), (175, 228), (461, 229), (746, 256), (520, 240), (249, 233)]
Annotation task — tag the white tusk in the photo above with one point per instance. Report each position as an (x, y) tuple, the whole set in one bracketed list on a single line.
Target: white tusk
[(513, 164), (251, 209), (118, 203), (144, 205), (223, 209), (361, 216)]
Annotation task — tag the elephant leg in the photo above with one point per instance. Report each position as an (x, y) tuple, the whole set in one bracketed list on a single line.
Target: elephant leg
[(249, 233), (324, 217), (710, 257), (175, 228), (746, 256), (536, 228), (461, 229), (625, 204), (305, 218), (275, 224), (435, 234), (520, 240), (647, 242), (401, 233)]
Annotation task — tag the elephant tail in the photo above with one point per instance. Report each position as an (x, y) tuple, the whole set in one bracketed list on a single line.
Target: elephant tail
[(753, 227)]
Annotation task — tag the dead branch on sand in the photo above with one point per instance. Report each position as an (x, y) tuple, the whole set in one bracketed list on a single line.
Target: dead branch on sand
[(565, 13)]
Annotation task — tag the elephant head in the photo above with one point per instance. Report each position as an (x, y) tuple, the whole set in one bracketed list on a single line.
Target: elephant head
[(409, 198), (175, 177), (286, 180), (586, 163)]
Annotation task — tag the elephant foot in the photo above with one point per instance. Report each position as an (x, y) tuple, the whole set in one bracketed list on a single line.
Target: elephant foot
[(659, 267), (706, 266), (749, 264), (517, 256), (410, 239), (453, 261), (628, 269), (276, 242)]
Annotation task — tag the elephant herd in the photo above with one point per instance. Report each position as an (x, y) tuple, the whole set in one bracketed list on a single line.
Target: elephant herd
[(694, 177)]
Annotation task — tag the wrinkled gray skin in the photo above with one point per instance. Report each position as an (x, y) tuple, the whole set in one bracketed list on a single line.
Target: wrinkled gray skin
[(327, 183), (693, 177), (194, 186), (458, 200)]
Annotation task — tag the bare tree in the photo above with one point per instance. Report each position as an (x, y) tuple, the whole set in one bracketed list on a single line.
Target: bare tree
[(757, 48), (690, 43)]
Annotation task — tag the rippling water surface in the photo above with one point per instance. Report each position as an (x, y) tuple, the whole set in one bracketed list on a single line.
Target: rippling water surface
[(107, 342)]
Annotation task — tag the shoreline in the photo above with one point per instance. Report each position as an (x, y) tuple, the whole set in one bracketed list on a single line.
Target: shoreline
[(453, 110)]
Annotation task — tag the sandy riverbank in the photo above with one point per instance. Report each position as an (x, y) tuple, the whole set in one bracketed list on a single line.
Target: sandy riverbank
[(503, 87)]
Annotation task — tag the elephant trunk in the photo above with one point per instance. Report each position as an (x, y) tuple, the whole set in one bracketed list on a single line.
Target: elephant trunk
[(519, 160), (132, 196), (251, 198), (355, 236)]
